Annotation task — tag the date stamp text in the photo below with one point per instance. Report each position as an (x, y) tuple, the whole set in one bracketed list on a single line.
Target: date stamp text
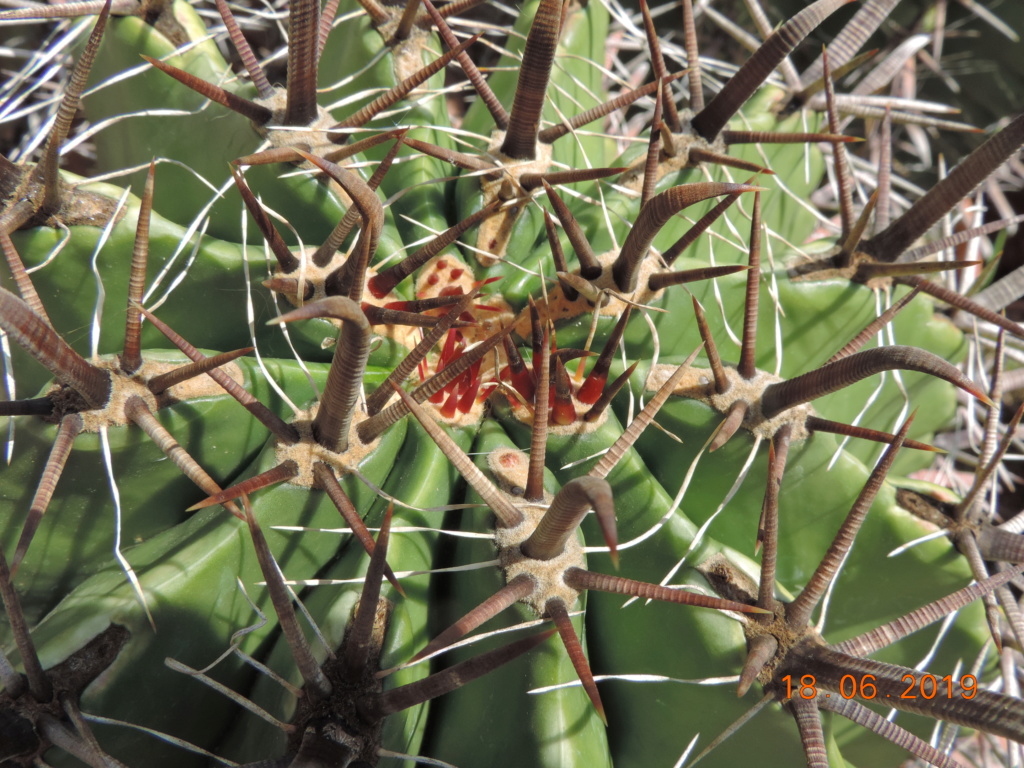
[(912, 686)]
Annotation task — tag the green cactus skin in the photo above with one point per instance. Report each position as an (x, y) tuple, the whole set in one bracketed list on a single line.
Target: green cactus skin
[(560, 728), (187, 566), (120, 146), (152, 489), (421, 483)]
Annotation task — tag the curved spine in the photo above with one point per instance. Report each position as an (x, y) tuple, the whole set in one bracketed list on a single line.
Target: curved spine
[(653, 216), (849, 370)]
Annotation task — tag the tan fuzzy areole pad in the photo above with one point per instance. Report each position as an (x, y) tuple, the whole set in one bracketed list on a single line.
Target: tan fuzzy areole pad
[(123, 387), (546, 574), (510, 467), (410, 55), (556, 307), (494, 232), (698, 384), (682, 142), (444, 274), (470, 418), (454, 277), (307, 451), (313, 136)]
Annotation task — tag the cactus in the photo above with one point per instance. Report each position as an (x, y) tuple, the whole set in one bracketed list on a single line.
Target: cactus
[(421, 342)]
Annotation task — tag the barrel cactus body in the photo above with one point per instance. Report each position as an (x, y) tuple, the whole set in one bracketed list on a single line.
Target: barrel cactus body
[(481, 349)]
